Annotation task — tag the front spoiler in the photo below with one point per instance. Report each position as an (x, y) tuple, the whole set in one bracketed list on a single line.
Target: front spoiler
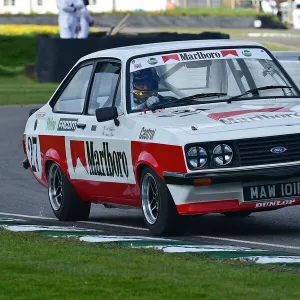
[(226, 176), (232, 206)]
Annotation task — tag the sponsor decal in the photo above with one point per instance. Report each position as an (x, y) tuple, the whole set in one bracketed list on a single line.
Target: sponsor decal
[(152, 61), (35, 125), (275, 203), (32, 145), (133, 61), (147, 134), (94, 128), (78, 153), (40, 115), (226, 114), (34, 155), (66, 124), (229, 52), (99, 162), (51, 124), (259, 118), (166, 58), (199, 55), (138, 66), (108, 131), (247, 53)]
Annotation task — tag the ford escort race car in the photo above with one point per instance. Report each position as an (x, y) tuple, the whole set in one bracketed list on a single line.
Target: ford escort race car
[(177, 128)]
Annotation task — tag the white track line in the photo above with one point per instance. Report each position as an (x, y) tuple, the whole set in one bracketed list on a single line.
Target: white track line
[(85, 222), (145, 229), (26, 216), (247, 242), (114, 225)]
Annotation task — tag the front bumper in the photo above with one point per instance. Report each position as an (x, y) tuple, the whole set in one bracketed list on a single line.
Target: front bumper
[(225, 191), (238, 175)]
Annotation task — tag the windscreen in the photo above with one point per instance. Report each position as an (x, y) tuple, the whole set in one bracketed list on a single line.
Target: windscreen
[(210, 75), (293, 68)]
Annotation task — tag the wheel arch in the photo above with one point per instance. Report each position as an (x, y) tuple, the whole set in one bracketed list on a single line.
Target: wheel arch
[(146, 160), (52, 156)]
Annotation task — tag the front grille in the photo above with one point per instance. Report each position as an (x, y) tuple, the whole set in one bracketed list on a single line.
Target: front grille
[(257, 151)]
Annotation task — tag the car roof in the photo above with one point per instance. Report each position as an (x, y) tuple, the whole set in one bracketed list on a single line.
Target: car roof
[(124, 53)]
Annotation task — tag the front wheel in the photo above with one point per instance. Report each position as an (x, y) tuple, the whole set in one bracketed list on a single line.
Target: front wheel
[(159, 210), (65, 202)]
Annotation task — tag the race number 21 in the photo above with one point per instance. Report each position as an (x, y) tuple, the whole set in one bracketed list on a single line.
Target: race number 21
[(34, 155)]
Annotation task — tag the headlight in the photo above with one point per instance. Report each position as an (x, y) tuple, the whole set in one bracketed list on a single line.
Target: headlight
[(197, 157), (222, 155)]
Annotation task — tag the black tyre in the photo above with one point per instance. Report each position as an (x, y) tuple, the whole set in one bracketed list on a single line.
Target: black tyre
[(159, 210), (65, 202), (240, 214)]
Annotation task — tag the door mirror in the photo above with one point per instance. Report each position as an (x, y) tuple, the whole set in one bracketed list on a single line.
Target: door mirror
[(32, 111), (106, 114)]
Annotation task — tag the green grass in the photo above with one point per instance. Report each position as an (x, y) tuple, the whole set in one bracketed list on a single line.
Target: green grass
[(197, 11), (35, 266), (21, 90), (15, 88), (16, 51), (278, 47)]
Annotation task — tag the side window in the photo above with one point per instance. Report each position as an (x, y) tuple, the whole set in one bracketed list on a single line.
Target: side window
[(104, 86), (72, 98)]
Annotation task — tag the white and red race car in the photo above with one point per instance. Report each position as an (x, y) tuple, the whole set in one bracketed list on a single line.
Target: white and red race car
[(178, 129)]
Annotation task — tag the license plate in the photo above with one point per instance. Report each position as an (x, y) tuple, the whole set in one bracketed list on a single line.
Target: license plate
[(271, 191)]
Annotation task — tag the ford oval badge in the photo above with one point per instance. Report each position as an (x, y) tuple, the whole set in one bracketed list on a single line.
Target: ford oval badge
[(278, 150)]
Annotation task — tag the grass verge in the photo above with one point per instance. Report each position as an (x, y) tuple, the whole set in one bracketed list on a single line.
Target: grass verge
[(21, 90), (39, 267), (197, 11)]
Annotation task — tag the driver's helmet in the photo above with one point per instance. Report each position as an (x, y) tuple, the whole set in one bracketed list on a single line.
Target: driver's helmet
[(144, 84)]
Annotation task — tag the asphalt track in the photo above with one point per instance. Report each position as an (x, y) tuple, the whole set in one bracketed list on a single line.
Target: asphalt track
[(20, 194)]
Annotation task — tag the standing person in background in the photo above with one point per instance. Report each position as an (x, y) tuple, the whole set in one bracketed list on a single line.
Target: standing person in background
[(85, 22), (296, 16), (67, 17)]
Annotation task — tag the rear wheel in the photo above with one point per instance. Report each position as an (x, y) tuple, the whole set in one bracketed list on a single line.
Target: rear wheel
[(65, 202), (159, 210), (238, 214)]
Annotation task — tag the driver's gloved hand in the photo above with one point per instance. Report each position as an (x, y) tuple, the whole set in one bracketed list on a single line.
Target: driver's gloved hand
[(151, 100)]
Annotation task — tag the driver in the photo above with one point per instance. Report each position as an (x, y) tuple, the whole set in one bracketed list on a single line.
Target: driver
[(145, 89)]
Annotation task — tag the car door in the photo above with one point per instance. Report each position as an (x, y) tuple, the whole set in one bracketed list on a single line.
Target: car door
[(67, 106), (100, 162)]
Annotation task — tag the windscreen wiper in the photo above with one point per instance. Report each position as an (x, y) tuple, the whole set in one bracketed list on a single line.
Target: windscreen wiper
[(267, 87), (186, 100)]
